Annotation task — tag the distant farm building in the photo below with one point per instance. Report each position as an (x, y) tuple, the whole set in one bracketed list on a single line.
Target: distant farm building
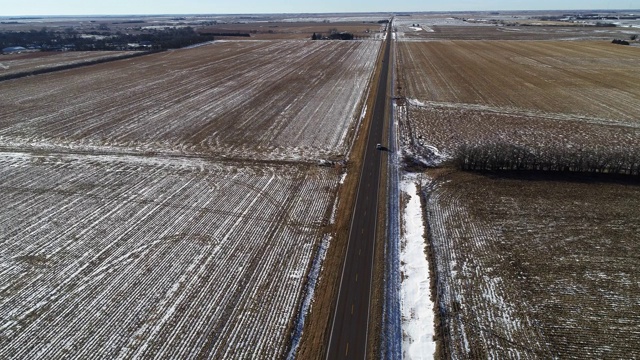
[(13, 49)]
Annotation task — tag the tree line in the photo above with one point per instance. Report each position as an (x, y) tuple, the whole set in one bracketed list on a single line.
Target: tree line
[(333, 35), (69, 39), (509, 157)]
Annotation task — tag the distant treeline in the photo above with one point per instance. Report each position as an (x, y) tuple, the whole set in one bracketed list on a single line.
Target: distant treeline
[(509, 157), (334, 35), (69, 39), (620, 42), (47, 70), (240, 34)]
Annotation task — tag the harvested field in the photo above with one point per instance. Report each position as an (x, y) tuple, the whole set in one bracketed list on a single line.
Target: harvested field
[(536, 268), (274, 30), (593, 79), (137, 257), (531, 264), (291, 100), (28, 62), (437, 132), (541, 105), (459, 30)]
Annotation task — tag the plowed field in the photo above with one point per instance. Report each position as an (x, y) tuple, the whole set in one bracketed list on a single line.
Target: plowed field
[(131, 257), (146, 209), (27, 62), (271, 100), (551, 99), (537, 268), (531, 264), (596, 79)]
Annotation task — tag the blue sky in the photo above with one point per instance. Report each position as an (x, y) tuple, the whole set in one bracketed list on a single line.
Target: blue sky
[(117, 7)]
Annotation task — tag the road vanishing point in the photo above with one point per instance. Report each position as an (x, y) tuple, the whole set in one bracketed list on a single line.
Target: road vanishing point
[(349, 329)]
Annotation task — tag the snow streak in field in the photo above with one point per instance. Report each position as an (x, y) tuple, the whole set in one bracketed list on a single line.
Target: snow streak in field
[(106, 257), (277, 100)]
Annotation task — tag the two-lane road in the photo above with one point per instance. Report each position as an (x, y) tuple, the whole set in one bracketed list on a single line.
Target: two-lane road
[(348, 339)]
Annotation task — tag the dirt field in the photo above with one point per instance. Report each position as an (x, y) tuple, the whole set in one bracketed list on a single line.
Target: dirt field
[(463, 31), (549, 99), (150, 257), (527, 265), (438, 133), (535, 267), (595, 79), (225, 100), (294, 30), (26, 62), (172, 204)]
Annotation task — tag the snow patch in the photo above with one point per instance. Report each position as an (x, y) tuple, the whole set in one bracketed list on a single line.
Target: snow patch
[(307, 301), (417, 308)]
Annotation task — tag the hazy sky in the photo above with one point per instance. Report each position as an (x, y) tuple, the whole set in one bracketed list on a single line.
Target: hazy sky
[(116, 7)]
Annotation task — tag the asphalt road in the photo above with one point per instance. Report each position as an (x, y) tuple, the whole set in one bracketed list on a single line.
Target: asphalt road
[(348, 338)]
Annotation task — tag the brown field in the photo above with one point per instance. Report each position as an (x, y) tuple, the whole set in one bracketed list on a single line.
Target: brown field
[(294, 30), (596, 79), (441, 131), (528, 265), (552, 99), (33, 61), (541, 32), (536, 268), (225, 100), (166, 171)]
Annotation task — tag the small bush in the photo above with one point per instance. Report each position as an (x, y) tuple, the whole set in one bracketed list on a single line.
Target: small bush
[(620, 42)]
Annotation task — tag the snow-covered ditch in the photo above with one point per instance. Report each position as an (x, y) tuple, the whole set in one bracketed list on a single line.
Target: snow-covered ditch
[(417, 307)]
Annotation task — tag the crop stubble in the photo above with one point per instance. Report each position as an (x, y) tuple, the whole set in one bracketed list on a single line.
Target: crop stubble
[(572, 100), (533, 268), (143, 215), (594, 79), (275, 100), (122, 258), (536, 268), (12, 64)]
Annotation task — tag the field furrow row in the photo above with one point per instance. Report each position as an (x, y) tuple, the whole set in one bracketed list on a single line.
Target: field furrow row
[(173, 259)]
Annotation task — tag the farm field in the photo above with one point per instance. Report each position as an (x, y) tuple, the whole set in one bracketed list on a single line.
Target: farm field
[(295, 29), (527, 264), (171, 205), (458, 30), (435, 132), (150, 257), (27, 62), (537, 267), (239, 100), (575, 100), (505, 25), (594, 79)]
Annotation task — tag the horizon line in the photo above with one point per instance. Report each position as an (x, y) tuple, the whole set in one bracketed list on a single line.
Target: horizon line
[(304, 13)]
